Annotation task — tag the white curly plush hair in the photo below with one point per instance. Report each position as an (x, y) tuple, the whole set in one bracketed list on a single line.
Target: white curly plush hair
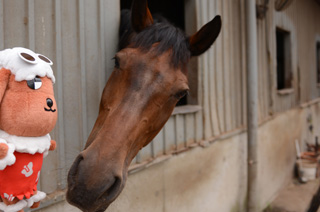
[(23, 69)]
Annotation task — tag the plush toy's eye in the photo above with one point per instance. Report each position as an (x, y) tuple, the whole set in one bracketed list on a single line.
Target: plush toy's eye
[(34, 83), (45, 59), (27, 57)]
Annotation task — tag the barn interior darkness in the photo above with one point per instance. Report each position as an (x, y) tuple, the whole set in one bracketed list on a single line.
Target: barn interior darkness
[(283, 59), (173, 11)]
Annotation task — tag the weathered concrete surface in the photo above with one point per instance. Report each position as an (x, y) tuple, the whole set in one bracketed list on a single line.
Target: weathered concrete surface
[(276, 154), (59, 207), (203, 179)]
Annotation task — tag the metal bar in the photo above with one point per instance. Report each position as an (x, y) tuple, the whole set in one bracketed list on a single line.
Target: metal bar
[(1, 25), (102, 72), (62, 156), (83, 71), (31, 29), (252, 106)]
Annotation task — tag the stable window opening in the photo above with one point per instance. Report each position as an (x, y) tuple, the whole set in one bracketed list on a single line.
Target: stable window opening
[(174, 12), (284, 69)]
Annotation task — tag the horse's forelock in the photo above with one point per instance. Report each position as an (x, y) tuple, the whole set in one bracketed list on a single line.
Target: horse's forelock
[(162, 32)]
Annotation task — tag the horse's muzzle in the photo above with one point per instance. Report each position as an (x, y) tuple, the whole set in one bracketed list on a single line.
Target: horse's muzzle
[(89, 196)]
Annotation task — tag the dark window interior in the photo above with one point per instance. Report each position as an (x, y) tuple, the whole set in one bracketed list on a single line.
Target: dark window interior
[(318, 62), (172, 10), (283, 59)]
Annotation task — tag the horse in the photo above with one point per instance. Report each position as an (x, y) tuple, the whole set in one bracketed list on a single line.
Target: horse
[(149, 78)]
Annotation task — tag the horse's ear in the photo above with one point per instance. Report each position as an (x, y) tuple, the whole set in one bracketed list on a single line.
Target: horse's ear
[(140, 15), (204, 38)]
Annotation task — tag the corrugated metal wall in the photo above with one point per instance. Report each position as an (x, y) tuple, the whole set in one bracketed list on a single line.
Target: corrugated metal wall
[(221, 72), (80, 37), (305, 17), (222, 69), (220, 86), (301, 19)]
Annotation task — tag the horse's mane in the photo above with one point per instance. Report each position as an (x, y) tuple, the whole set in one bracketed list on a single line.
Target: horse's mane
[(162, 32)]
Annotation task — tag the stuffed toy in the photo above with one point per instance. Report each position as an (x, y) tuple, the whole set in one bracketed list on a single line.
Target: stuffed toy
[(28, 112)]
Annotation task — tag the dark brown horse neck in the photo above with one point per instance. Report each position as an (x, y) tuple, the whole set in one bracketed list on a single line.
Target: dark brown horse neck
[(149, 78)]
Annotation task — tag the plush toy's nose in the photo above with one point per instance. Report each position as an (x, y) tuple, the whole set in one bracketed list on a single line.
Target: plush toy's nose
[(49, 102)]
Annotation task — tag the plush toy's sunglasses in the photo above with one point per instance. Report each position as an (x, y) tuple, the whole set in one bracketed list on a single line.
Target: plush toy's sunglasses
[(33, 59)]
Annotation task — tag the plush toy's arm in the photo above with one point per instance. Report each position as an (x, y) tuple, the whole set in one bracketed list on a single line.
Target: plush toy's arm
[(7, 157), (3, 150), (53, 145), (4, 80)]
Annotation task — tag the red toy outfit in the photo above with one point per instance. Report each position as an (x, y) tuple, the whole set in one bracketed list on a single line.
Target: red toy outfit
[(20, 180)]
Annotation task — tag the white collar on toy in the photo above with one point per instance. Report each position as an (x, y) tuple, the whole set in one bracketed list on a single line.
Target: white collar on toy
[(29, 145), (25, 69)]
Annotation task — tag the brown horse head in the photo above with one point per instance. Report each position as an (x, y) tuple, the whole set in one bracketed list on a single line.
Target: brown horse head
[(148, 79)]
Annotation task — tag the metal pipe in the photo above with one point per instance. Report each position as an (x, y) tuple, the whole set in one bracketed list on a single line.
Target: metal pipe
[(252, 106)]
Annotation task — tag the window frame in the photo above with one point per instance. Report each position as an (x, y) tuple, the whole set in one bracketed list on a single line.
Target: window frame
[(187, 14), (284, 99)]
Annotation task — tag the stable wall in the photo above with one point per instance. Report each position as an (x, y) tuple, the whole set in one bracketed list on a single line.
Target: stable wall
[(213, 177), (80, 37), (276, 153)]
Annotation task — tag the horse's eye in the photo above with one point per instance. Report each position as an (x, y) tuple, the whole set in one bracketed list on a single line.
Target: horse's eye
[(182, 94), (116, 62), (35, 83)]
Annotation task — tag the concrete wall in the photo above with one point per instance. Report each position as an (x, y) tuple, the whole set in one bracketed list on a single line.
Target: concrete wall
[(211, 178), (276, 153), (198, 180)]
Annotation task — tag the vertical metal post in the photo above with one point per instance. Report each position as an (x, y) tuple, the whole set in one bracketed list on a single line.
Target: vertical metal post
[(252, 105), (1, 25), (31, 25), (82, 47), (59, 56)]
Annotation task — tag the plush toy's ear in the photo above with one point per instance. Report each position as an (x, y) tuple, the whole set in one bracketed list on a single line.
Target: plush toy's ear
[(4, 80)]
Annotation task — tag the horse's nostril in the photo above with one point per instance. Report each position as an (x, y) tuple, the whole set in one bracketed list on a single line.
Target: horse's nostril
[(90, 189), (49, 102), (73, 171), (113, 190)]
